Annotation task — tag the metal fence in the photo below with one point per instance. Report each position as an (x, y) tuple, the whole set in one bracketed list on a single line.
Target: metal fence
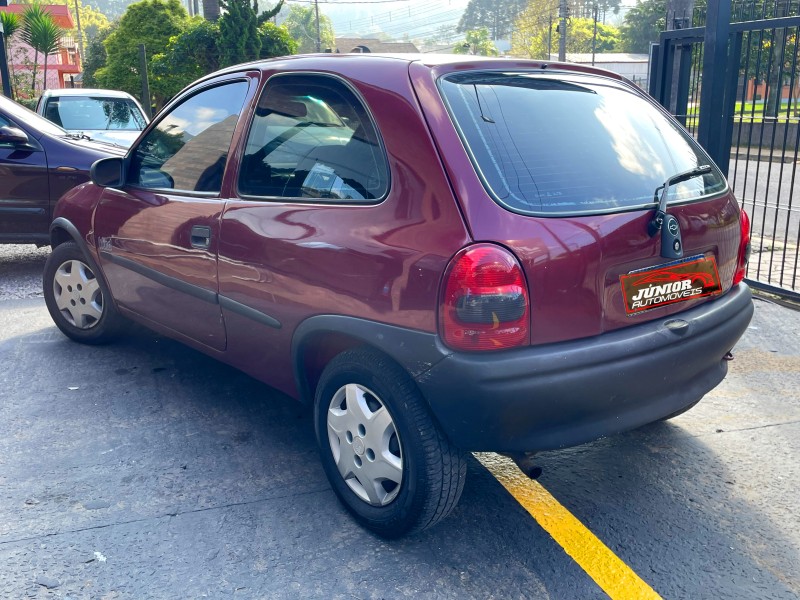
[(751, 127)]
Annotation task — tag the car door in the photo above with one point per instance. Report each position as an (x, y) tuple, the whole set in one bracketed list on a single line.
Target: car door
[(157, 235), (24, 189), (311, 179)]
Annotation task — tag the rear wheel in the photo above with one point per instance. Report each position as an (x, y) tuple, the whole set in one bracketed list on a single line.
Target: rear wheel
[(385, 457), (77, 299)]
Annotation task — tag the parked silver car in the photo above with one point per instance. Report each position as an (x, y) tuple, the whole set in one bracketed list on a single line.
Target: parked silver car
[(105, 115)]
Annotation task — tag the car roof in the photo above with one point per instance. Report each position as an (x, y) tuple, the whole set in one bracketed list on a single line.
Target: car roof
[(370, 60), (86, 92)]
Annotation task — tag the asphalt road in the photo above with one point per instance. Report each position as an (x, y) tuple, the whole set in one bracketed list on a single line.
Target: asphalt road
[(147, 470), (770, 192)]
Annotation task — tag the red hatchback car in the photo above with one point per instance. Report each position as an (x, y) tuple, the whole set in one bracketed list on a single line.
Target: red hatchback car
[(440, 254)]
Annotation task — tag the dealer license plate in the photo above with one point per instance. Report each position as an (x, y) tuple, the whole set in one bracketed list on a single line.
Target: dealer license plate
[(692, 277)]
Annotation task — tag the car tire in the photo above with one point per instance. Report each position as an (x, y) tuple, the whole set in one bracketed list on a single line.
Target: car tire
[(384, 455), (77, 297)]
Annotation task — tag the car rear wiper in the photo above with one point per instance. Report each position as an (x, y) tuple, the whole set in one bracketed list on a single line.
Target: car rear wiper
[(671, 245)]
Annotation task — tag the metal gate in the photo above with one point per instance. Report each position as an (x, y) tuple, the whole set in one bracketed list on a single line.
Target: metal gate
[(733, 80)]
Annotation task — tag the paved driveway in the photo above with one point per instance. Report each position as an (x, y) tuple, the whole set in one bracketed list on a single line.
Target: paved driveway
[(147, 470)]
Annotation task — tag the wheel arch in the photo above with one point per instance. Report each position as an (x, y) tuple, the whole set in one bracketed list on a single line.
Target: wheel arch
[(319, 339), (62, 230)]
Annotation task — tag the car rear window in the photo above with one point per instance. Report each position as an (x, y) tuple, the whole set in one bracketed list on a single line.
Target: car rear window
[(95, 113), (571, 144)]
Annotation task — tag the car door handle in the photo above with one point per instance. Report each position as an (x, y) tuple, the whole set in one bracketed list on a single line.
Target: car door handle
[(201, 237)]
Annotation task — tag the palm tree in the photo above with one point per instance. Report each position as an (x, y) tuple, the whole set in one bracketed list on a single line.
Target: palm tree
[(47, 38), (11, 25), (41, 33)]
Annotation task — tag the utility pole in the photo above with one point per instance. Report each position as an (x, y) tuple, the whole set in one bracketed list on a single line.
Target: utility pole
[(550, 37), (80, 34), (594, 35), (562, 30), (146, 102), (679, 14), (4, 74), (316, 11)]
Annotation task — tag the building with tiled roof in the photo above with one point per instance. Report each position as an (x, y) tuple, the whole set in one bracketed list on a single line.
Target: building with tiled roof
[(62, 66), (347, 45)]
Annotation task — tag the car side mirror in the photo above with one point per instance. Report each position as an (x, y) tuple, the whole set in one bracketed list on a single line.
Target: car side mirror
[(13, 135), (107, 172)]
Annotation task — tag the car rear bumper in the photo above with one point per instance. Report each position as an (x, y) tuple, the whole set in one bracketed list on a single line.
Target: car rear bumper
[(565, 394)]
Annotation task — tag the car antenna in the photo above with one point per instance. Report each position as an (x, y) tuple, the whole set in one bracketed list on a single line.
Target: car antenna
[(478, 98)]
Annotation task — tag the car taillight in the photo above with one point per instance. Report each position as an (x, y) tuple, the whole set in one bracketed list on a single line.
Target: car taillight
[(744, 248), (484, 305)]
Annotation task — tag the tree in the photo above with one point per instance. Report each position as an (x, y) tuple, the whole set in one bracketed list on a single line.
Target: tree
[(585, 8), (238, 32), (535, 30), (276, 41), (533, 42), (149, 22), (476, 42), (302, 25), (10, 23), (497, 16), (770, 56), (95, 56), (580, 33), (189, 56), (643, 24), (113, 9), (268, 14), (41, 33), (93, 21)]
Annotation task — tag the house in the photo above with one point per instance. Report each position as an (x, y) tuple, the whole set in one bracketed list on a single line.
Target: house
[(363, 45), (62, 66), (631, 66)]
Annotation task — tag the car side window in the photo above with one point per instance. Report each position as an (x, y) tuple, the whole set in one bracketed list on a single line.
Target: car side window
[(311, 137), (6, 123), (188, 147)]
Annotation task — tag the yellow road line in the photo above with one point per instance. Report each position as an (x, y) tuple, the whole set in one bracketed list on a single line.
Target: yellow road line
[(593, 556)]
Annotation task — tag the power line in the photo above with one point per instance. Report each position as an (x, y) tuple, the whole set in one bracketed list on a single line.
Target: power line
[(408, 28), (388, 16), (405, 24), (349, 2)]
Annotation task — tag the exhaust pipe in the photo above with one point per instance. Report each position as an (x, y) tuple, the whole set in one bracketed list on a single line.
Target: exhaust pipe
[(525, 462)]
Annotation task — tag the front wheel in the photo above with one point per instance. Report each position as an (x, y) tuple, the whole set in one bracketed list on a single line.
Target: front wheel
[(77, 299), (385, 457)]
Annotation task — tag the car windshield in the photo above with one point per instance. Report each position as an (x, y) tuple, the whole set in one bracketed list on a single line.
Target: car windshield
[(94, 113), (20, 114), (571, 144)]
